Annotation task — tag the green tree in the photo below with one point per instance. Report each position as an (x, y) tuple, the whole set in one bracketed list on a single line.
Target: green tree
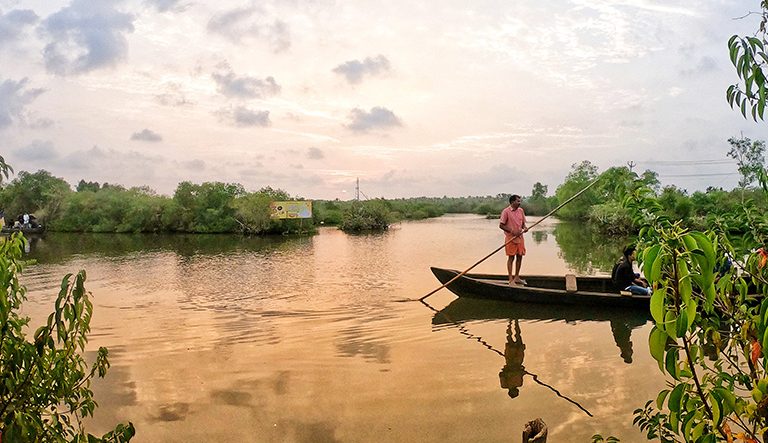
[(749, 156), (580, 176), (710, 334), (83, 185), (40, 193), (537, 203), (208, 207), (361, 216), (5, 169), (46, 392), (749, 57)]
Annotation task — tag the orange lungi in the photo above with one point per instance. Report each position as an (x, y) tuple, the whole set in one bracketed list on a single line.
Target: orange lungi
[(514, 247)]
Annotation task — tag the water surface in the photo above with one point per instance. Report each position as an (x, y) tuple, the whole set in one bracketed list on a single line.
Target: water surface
[(224, 338)]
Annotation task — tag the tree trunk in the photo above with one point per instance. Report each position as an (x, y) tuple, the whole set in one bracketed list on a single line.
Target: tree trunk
[(535, 431)]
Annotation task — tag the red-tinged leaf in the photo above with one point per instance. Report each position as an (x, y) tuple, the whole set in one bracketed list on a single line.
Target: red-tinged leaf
[(763, 257), (727, 432), (757, 351)]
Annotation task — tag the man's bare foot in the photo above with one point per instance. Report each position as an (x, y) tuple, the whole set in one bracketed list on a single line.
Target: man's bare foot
[(520, 282)]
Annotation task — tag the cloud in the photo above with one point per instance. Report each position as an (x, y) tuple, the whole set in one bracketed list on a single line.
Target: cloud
[(37, 150), (173, 96), (705, 65), (194, 165), (240, 24), (354, 70), (86, 35), (13, 23), (167, 5), (41, 123), (244, 117), (315, 153), (147, 135), (377, 118), (14, 96), (244, 87)]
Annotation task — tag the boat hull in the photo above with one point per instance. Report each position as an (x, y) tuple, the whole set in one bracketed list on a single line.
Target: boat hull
[(596, 291)]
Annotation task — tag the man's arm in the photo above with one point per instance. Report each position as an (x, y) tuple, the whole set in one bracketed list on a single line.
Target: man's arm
[(503, 221)]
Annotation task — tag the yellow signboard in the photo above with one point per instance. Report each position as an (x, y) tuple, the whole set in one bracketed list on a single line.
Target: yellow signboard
[(291, 209)]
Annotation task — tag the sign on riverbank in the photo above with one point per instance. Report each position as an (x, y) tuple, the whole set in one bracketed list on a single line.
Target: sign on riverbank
[(291, 209)]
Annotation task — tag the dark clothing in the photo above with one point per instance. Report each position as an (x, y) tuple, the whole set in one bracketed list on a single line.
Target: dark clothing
[(624, 275)]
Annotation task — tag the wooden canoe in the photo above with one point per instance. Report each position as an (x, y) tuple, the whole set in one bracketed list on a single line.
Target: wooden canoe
[(540, 289)]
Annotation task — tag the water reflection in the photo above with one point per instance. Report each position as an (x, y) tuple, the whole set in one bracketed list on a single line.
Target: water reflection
[(539, 236), (511, 375), (513, 372), (622, 320), (59, 247), (587, 250)]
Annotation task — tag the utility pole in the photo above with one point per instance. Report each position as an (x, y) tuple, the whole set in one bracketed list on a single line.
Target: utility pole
[(357, 190), (631, 165)]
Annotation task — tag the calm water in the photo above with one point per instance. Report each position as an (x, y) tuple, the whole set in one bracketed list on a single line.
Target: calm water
[(221, 338)]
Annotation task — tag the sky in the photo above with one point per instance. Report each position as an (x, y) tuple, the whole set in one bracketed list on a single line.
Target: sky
[(413, 98)]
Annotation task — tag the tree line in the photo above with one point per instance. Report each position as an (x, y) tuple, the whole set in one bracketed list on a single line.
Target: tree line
[(217, 207)]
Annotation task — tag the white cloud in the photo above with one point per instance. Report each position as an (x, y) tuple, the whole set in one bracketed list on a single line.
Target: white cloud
[(86, 35), (315, 153), (36, 151), (14, 23), (244, 117), (375, 119), (168, 5), (354, 70), (230, 85), (146, 135), (14, 97), (242, 24)]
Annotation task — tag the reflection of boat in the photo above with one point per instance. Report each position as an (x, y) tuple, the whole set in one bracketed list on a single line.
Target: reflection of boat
[(622, 320), (539, 289)]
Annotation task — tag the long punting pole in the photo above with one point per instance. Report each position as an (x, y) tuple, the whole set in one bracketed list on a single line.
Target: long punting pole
[(505, 243)]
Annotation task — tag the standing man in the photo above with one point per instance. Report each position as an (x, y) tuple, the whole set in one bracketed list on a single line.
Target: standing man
[(512, 222)]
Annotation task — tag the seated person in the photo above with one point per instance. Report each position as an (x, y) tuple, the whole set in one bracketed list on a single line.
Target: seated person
[(624, 276)]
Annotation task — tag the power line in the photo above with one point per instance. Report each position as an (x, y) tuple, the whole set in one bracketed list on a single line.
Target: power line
[(699, 175), (689, 162)]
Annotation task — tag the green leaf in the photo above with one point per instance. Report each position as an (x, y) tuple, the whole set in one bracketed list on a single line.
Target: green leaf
[(657, 305), (657, 342), (717, 408), (705, 245), (727, 400), (690, 312), (697, 431), (661, 397), (649, 257), (734, 52), (681, 324), (670, 319), (670, 363), (655, 274), (675, 397)]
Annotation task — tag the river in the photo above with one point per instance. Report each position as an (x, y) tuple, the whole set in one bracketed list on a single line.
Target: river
[(307, 339)]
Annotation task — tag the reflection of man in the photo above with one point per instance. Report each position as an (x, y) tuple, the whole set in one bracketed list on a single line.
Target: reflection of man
[(621, 335), (511, 375)]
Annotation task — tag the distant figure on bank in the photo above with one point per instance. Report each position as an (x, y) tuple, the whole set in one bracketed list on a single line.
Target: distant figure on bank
[(624, 276), (512, 222), (25, 223)]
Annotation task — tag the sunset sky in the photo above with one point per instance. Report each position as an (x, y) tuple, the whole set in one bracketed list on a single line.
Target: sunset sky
[(414, 98)]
